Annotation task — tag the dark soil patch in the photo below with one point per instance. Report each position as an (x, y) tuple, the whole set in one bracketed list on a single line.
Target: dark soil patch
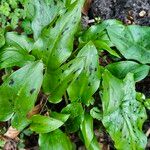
[(128, 11)]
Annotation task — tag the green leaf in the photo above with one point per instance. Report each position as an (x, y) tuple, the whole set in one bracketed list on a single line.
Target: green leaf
[(57, 82), (19, 92), (96, 113), (89, 79), (122, 68), (2, 37), (56, 44), (132, 41), (11, 56), (56, 140), (88, 134), (123, 115), (60, 116), (80, 74), (21, 42), (98, 33), (147, 103), (102, 45), (45, 12), (76, 113), (141, 98), (45, 124), (26, 25), (16, 51)]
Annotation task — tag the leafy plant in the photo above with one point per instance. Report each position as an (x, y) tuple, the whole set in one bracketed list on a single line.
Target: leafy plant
[(58, 65), (10, 12), (130, 113)]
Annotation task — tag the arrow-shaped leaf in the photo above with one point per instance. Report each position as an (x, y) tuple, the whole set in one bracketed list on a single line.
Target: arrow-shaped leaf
[(123, 115)]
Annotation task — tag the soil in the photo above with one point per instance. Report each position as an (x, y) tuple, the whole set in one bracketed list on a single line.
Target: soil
[(128, 11)]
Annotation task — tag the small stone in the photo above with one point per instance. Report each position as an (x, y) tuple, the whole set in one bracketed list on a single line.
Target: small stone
[(142, 13)]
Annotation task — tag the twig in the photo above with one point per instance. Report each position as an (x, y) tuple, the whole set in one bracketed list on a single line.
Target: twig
[(148, 132)]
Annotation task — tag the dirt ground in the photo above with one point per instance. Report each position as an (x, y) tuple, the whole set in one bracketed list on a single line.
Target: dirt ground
[(129, 11)]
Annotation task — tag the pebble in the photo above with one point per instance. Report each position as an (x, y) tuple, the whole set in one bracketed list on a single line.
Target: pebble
[(142, 13)]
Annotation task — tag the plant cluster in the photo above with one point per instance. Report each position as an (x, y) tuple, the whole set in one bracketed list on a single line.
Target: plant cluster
[(63, 63)]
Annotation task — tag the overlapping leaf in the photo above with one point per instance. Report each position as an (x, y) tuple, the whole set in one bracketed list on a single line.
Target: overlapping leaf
[(45, 124), (88, 133), (56, 44), (16, 51), (11, 56), (132, 41), (76, 114), (123, 115), (19, 92), (98, 35), (45, 11), (89, 79), (122, 68), (2, 37), (21, 42), (81, 74), (57, 82), (56, 140)]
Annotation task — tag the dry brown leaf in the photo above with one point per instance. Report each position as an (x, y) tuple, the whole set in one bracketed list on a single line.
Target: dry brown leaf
[(12, 133), (86, 7), (10, 145), (34, 111), (148, 132)]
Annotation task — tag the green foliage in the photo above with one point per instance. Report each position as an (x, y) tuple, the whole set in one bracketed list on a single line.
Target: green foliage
[(132, 41), (2, 37), (76, 115), (57, 64), (55, 140), (10, 12), (123, 115), (16, 51), (20, 89), (88, 134), (122, 68), (44, 124)]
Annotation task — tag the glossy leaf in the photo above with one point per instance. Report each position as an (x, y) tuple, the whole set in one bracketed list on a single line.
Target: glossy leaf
[(123, 115), (85, 67), (56, 140), (19, 92), (2, 37), (96, 113), (98, 33), (102, 45), (76, 114), (89, 79), (56, 44), (16, 51), (21, 42), (61, 44), (132, 41), (147, 103), (57, 82), (122, 68), (45, 124), (141, 98), (11, 56), (45, 12), (88, 133)]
